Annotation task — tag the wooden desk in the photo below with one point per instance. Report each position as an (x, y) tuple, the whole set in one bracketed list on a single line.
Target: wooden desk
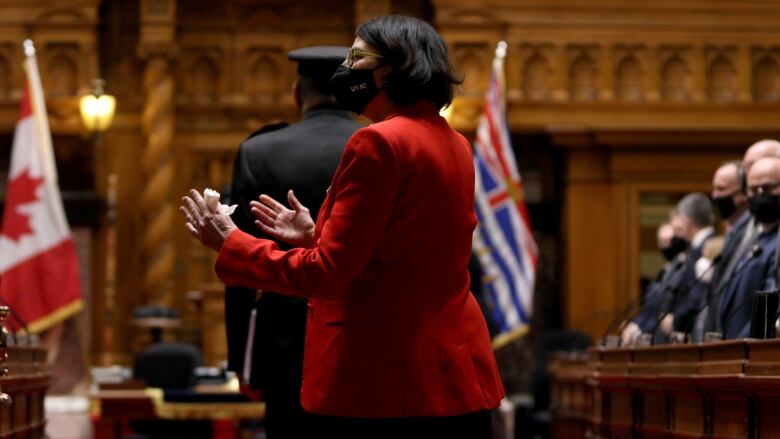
[(26, 384), (112, 410), (728, 389)]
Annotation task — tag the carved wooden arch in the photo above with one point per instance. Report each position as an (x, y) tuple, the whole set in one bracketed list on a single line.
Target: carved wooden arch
[(766, 77), (536, 81), (583, 73), (629, 78), (264, 74), (201, 78), (473, 63), (263, 18), (62, 68), (60, 14), (721, 75), (675, 76)]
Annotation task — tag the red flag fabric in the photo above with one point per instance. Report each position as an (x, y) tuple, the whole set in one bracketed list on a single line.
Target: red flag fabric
[(39, 276)]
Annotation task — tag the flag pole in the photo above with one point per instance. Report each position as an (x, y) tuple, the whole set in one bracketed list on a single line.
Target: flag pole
[(39, 109), (498, 67)]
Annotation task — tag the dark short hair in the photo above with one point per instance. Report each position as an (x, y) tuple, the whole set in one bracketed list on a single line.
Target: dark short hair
[(313, 88), (697, 208), (420, 64)]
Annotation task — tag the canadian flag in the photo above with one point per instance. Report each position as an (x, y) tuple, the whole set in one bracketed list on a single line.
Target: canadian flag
[(39, 276)]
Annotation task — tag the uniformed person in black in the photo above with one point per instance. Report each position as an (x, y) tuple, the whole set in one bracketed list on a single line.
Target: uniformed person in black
[(302, 157)]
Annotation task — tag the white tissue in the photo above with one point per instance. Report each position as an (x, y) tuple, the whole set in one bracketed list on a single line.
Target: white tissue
[(212, 199), (702, 270), (212, 202)]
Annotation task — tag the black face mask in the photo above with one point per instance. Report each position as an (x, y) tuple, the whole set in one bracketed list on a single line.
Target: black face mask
[(675, 247), (726, 205), (353, 89), (764, 207), (669, 253)]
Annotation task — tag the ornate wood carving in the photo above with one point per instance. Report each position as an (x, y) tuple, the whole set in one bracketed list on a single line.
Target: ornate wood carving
[(583, 74), (766, 76), (721, 75), (157, 163), (61, 70), (264, 81), (537, 74), (675, 76), (629, 79), (471, 59), (201, 77), (158, 166)]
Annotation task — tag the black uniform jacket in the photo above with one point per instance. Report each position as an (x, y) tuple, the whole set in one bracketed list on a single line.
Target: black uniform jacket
[(302, 157)]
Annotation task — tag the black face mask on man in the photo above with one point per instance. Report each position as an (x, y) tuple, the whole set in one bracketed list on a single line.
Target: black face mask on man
[(765, 207), (353, 89), (676, 246), (725, 205), (669, 253)]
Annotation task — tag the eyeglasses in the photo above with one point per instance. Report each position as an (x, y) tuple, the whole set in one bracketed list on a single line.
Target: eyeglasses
[(764, 188), (354, 54)]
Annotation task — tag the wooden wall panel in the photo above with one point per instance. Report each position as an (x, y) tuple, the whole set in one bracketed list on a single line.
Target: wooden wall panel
[(590, 224)]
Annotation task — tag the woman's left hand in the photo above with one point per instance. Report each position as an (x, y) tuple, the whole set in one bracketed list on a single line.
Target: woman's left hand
[(209, 227)]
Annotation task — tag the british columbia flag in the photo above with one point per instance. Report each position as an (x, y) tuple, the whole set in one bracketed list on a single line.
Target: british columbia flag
[(502, 240)]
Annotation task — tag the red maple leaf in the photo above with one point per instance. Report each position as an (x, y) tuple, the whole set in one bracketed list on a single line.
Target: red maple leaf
[(21, 190)]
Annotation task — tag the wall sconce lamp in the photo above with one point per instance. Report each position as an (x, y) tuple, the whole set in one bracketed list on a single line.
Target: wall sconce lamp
[(97, 108)]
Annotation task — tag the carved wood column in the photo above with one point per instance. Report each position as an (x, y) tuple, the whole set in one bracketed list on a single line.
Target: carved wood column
[(156, 48), (606, 74), (698, 74), (744, 74), (652, 75), (560, 70)]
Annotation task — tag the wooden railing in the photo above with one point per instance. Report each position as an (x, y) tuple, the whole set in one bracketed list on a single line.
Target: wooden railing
[(728, 389), (22, 387)]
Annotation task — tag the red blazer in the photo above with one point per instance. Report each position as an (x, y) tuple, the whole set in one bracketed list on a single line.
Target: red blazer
[(392, 329)]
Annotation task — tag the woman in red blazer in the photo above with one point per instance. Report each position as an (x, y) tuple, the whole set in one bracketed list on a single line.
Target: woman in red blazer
[(395, 342)]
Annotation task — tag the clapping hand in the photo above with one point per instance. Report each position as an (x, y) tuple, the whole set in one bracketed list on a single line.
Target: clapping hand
[(630, 333), (294, 227), (210, 227)]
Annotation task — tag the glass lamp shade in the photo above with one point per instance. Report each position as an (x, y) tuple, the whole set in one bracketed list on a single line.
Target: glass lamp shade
[(97, 112)]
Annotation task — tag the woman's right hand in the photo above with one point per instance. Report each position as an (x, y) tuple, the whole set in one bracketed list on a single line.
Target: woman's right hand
[(294, 227)]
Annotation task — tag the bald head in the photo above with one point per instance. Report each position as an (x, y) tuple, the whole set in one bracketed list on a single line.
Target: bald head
[(726, 180), (760, 149), (764, 189), (764, 172), (728, 193)]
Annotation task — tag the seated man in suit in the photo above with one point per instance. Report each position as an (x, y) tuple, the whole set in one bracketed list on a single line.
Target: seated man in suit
[(728, 196), (692, 221), (646, 317), (729, 189), (756, 269)]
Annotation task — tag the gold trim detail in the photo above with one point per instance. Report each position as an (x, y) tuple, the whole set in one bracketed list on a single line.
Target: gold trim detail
[(55, 317), (508, 337)]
